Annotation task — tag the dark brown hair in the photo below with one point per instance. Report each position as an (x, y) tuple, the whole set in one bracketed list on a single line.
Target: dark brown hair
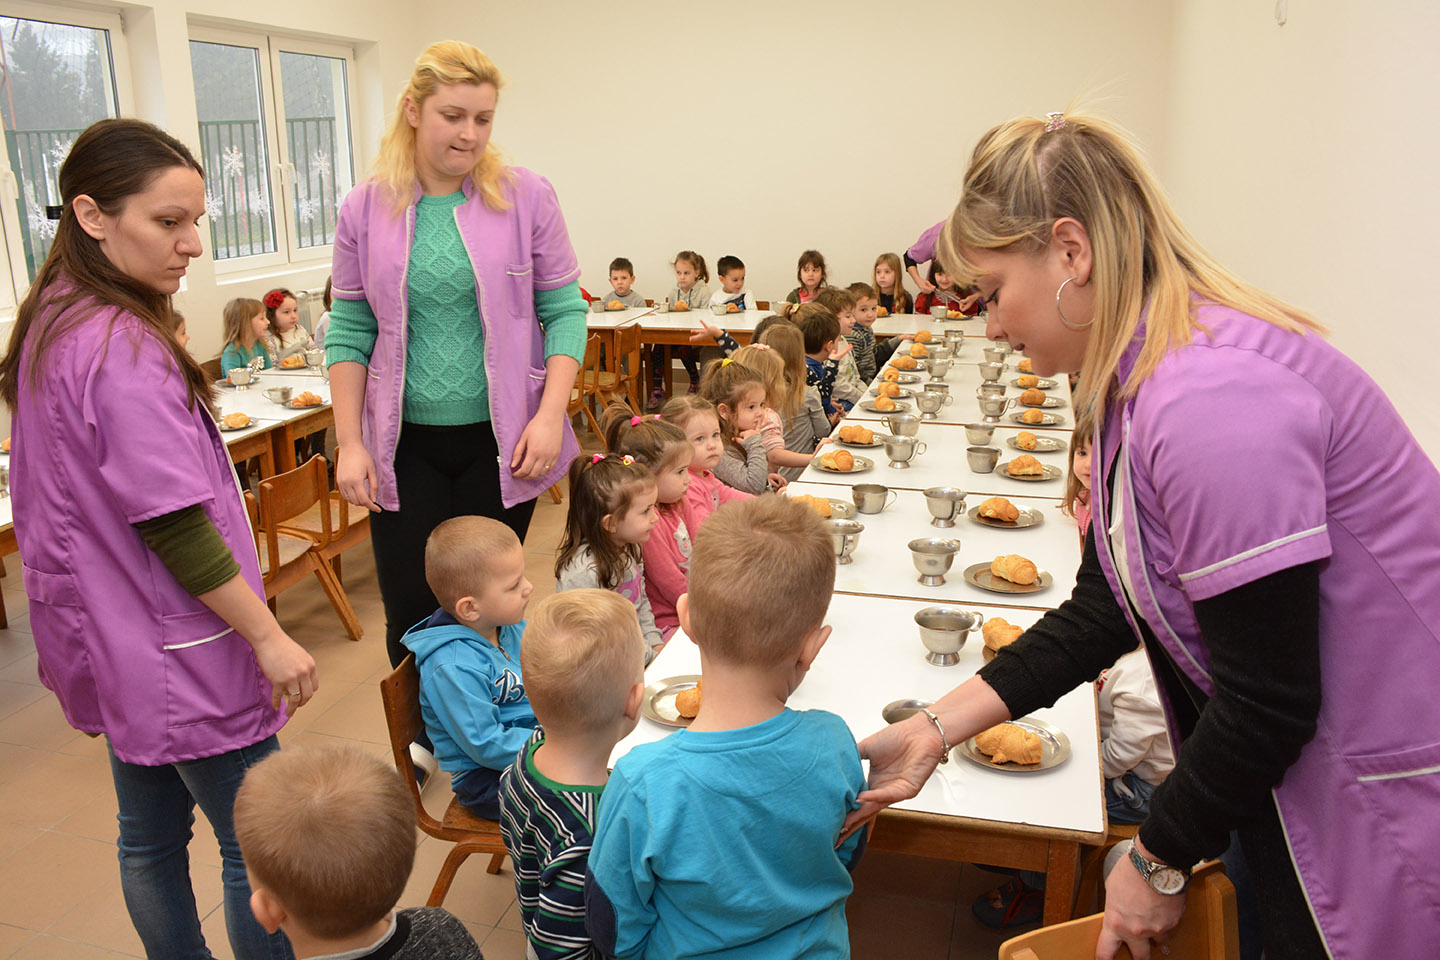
[(862, 291), (610, 486), (836, 299), (653, 442), (111, 161), (818, 325), (812, 258), (270, 311), (326, 295)]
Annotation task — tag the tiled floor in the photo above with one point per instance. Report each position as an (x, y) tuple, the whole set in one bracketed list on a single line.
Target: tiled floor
[(59, 883)]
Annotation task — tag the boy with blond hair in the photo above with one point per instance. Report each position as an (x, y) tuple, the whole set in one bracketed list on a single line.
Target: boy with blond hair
[(720, 840), (472, 697), (328, 837), (584, 664)]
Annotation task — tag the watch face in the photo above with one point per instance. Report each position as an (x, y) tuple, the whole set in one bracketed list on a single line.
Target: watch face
[(1168, 880)]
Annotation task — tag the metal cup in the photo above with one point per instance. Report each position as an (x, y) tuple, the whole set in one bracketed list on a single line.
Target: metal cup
[(314, 358), (955, 337), (982, 459), (991, 389), (932, 557), (901, 450), (935, 386), (993, 355), (597, 306), (979, 434), (939, 351), (929, 404), (940, 368), (945, 504), (990, 371), (872, 497), (938, 312), (845, 535), (902, 424), (993, 407), (240, 376), (944, 631), (1004, 347), (279, 394)]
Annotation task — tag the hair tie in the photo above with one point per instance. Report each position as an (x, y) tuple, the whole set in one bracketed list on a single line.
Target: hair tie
[(635, 421), (596, 459), (726, 362), (627, 460), (1054, 121)]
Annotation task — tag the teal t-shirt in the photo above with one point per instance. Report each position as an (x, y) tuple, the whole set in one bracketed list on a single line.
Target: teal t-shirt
[(235, 355)]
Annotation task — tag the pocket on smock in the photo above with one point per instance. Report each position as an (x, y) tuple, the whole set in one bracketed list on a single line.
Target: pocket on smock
[(520, 290), (1402, 790), (210, 671)]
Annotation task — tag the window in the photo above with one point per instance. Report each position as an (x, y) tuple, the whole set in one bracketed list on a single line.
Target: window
[(275, 141), (58, 78)]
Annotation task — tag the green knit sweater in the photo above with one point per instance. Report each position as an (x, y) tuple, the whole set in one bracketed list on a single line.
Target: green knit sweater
[(445, 382)]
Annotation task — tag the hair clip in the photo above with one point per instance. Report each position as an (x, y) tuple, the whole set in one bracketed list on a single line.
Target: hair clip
[(727, 361), (596, 459), (627, 460), (1054, 121), (274, 298)]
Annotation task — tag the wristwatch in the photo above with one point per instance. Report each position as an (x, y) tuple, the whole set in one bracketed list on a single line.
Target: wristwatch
[(1162, 877)]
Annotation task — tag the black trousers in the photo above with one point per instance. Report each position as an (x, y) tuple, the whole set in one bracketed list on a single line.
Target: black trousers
[(440, 472)]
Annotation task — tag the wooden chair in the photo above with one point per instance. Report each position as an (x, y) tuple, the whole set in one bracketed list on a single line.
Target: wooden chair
[(212, 369), (587, 384), (762, 304), (1092, 865), (649, 302), (1208, 932), (286, 559), (400, 693), (349, 526), (622, 382)]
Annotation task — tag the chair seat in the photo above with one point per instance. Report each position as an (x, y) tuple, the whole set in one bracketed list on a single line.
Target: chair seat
[(308, 523), (290, 548), (460, 817)]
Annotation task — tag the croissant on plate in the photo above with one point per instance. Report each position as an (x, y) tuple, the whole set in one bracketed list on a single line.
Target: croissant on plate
[(841, 460), (923, 336), (854, 433), (1027, 380), (680, 306), (820, 505), (881, 312), (1033, 397), (732, 308), (1015, 568), (903, 362), (888, 390), (890, 375), (918, 350), (687, 702), (233, 421), (998, 508), (884, 404), (1033, 415), (999, 632), (1009, 743), (1024, 366), (1026, 440), (1026, 466)]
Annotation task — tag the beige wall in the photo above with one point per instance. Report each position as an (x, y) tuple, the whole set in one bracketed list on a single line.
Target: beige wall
[(1306, 156)]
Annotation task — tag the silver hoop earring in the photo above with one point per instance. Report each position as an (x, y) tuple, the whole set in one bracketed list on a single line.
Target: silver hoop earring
[(1063, 318)]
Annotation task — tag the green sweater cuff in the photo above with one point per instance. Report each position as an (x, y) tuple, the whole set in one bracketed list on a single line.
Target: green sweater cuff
[(562, 313), (190, 547), (352, 332)]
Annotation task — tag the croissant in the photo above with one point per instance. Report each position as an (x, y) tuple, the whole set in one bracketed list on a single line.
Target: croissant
[(615, 305), (1010, 743), (923, 336), (888, 390), (1026, 440), (953, 314), (1027, 380), (1026, 466), (998, 508), (999, 632), (293, 362), (1024, 366), (918, 350), (680, 306), (884, 404), (307, 399), (820, 505), (232, 420), (687, 702), (732, 308), (840, 460), (1033, 415), (854, 433), (881, 312), (1033, 397), (903, 362), (1014, 568), (5, 445)]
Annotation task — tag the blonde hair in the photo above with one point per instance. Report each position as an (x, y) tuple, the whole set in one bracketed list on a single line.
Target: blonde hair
[(686, 407), (441, 64), (237, 316), (789, 343), (761, 575), (780, 396), (581, 653), (460, 553), (1074, 491), (330, 831), (1024, 176), (903, 303), (727, 381)]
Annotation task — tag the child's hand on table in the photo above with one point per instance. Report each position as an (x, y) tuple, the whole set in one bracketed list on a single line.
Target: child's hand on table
[(777, 482)]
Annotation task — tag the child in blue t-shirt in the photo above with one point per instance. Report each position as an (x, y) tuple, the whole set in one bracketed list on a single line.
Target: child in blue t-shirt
[(719, 841), (472, 696)]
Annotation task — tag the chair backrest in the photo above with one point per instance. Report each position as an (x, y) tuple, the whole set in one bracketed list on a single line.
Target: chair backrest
[(212, 369), (627, 349), (400, 692), (649, 302), (589, 374), (1209, 930), (762, 304), (287, 495)]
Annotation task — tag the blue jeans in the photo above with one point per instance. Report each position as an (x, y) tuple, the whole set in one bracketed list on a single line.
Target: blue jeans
[(156, 814)]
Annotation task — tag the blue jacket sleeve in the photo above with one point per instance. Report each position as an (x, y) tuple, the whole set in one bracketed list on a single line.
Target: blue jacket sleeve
[(619, 881), (460, 697)]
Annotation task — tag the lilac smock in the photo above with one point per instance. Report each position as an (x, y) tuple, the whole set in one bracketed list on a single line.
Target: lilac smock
[(924, 248), (513, 252), (103, 440), (1251, 450)]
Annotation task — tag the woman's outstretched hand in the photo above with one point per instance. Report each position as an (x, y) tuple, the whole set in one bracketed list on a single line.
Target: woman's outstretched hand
[(902, 757)]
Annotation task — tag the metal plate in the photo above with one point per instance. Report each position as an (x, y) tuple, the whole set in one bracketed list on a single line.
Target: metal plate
[(659, 701), (1046, 419), (1054, 748), (1050, 403), (979, 575), (841, 509), (860, 446), (224, 429), (898, 710), (1029, 517), (869, 407), (906, 376), (610, 309), (1045, 382), (225, 382), (906, 394), (861, 465), (1042, 445), (1051, 473)]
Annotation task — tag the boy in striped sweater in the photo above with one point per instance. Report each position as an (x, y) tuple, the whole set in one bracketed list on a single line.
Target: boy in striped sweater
[(583, 659)]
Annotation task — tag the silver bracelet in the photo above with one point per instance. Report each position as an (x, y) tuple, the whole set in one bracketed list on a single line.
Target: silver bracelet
[(944, 741)]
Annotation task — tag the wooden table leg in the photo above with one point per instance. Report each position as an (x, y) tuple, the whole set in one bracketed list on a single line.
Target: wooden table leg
[(1062, 865)]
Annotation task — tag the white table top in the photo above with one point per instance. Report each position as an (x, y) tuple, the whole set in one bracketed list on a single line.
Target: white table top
[(264, 413), (610, 319), (882, 564), (691, 319), (944, 464), (904, 324), (873, 657)]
